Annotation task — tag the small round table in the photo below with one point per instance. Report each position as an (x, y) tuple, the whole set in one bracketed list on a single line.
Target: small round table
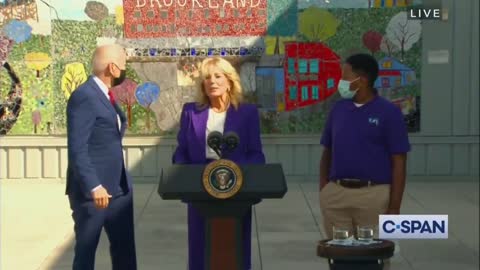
[(367, 257)]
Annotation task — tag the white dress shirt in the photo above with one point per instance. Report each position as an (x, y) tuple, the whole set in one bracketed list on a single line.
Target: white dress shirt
[(215, 122)]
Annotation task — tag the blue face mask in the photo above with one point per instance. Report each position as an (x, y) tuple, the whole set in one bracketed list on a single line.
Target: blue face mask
[(344, 89)]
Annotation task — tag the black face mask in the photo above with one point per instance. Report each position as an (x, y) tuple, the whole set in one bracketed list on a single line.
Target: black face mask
[(119, 80)]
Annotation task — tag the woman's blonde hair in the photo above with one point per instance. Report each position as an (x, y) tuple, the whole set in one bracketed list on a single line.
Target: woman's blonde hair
[(235, 90)]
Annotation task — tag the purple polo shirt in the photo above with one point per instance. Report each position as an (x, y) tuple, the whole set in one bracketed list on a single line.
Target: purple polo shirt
[(363, 139)]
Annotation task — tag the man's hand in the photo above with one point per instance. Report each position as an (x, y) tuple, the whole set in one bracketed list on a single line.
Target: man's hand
[(392, 211), (101, 198)]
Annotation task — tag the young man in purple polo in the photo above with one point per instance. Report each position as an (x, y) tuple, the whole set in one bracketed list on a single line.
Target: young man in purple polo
[(362, 169)]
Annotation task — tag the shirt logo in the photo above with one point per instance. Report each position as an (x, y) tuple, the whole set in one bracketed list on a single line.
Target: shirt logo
[(373, 121)]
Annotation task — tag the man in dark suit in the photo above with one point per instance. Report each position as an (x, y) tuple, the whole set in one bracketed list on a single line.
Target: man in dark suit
[(99, 187)]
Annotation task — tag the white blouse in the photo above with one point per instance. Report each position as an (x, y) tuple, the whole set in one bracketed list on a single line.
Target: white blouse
[(215, 122)]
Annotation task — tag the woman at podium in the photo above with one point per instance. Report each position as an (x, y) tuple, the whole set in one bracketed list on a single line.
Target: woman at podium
[(219, 108)]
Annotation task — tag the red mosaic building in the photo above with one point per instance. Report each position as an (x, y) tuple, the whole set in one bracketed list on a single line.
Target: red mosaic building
[(312, 71)]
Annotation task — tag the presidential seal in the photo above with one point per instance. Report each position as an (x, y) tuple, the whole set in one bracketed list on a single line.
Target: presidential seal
[(222, 179)]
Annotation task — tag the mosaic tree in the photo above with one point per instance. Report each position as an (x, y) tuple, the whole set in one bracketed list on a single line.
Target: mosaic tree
[(282, 20), (73, 77), (403, 32), (146, 94), (125, 94), (317, 24), (96, 11), (372, 40), (18, 31), (37, 61)]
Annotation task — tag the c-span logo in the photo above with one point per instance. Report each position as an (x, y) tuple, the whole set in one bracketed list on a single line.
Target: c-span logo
[(413, 226)]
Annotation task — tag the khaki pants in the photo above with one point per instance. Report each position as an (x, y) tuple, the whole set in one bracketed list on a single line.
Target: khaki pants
[(351, 207)]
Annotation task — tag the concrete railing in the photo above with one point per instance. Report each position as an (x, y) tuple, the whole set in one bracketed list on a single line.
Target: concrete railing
[(43, 157)]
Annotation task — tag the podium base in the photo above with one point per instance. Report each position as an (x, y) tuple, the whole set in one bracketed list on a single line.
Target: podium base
[(224, 247)]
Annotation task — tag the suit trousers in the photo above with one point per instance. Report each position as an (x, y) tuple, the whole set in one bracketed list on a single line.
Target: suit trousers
[(117, 220)]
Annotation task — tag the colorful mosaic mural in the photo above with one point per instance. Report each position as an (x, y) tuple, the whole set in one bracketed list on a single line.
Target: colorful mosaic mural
[(288, 53)]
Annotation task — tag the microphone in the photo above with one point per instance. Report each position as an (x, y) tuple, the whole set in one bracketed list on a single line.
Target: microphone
[(231, 140), (215, 141)]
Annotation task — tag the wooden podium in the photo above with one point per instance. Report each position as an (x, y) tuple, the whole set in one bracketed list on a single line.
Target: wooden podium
[(223, 205)]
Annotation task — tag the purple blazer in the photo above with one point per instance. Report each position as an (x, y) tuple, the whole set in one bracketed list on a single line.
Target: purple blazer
[(192, 138)]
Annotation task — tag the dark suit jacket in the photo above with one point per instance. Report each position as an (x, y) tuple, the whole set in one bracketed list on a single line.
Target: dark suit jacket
[(191, 138), (95, 152)]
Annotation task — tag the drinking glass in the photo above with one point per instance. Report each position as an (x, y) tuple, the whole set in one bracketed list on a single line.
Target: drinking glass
[(365, 233), (340, 233)]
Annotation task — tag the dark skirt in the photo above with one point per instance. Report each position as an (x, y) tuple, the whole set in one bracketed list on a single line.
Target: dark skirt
[(196, 239)]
